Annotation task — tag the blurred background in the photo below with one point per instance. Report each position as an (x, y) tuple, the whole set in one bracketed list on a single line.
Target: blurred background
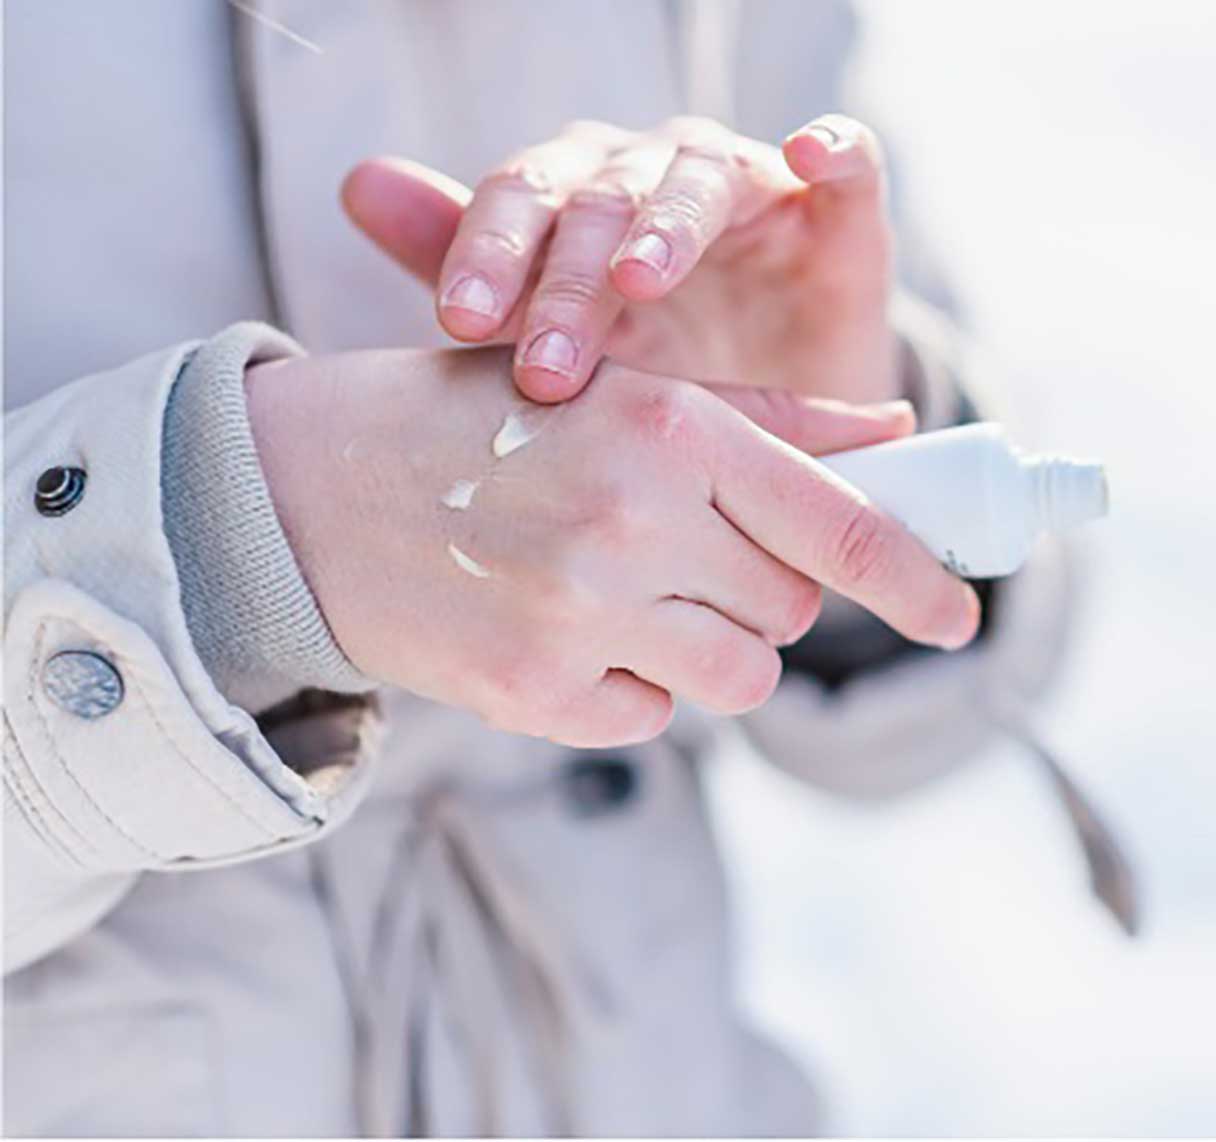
[(940, 961)]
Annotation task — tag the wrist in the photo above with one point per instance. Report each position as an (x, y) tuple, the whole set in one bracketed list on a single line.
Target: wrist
[(250, 613)]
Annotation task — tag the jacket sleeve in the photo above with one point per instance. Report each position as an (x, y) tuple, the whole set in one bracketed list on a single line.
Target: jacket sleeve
[(865, 714), (120, 753)]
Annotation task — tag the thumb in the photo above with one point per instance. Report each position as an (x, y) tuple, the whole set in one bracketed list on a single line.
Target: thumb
[(838, 151), (816, 425), (410, 211)]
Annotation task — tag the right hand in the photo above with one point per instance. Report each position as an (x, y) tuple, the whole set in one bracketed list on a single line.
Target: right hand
[(650, 540)]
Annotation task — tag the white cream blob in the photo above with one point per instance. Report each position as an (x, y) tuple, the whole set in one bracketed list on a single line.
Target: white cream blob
[(460, 495), (518, 428), (467, 563)]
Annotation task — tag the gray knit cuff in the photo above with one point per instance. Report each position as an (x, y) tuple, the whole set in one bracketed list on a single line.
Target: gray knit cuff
[(253, 619)]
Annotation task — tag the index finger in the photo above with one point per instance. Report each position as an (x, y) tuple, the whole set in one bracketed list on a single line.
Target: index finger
[(504, 228), (810, 518)]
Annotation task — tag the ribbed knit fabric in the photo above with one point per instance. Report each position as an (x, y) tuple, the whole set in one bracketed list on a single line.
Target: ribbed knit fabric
[(253, 619)]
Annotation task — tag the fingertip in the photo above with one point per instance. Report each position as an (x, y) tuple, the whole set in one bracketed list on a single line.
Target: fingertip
[(662, 711), (831, 148), (810, 606), (369, 195), (806, 153), (898, 417), (637, 280), (966, 623), (625, 710), (350, 193), (545, 386), (642, 268), (470, 308), (464, 325), (411, 212)]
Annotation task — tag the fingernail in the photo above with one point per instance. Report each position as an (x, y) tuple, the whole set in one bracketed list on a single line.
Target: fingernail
[(650, 249), (833, 140), (474, 293), (552, 350)]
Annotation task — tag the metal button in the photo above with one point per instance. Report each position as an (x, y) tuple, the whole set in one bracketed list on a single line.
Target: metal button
[(600, 785), (59, 490), (82, 683)]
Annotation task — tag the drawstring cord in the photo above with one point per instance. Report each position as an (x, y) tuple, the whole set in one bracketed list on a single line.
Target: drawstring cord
[(1110, 871), (456, 937)]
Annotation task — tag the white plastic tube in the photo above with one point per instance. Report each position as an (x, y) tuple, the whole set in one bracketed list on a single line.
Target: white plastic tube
[(973, 499)]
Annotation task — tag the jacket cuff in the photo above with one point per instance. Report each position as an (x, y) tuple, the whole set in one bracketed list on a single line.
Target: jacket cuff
[(938, 376), (120, 752), (892, 728), (857, 689), (253, 619)]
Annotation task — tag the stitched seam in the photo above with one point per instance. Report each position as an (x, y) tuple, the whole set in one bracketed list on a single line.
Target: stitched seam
[(181, 752), (178, 749), (32, 680), (27, 807), (25, 793), (29, 811)]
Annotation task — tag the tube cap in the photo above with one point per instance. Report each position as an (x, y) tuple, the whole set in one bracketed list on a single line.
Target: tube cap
[(1070, 492)]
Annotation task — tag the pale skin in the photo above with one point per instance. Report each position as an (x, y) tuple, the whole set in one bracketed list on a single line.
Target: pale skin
[(687, 250), (654, 539)]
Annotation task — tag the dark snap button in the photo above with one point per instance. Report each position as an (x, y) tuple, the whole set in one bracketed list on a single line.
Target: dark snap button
[(59, 490), (600, 785)]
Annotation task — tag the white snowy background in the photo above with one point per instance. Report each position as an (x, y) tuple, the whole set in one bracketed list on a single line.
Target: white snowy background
[(939, 963)]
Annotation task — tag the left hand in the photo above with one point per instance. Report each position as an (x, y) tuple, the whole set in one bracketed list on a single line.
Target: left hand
[(687, 250)]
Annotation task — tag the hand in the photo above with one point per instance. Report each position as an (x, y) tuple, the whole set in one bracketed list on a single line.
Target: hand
[(648, 540), (687, 250)]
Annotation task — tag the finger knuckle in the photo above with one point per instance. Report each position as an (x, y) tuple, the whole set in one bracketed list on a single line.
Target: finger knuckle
[(666, 412), (569, 289), (520, 177), (677, 212), (491, 243), (719, 156), (608, 199), (862, 547)]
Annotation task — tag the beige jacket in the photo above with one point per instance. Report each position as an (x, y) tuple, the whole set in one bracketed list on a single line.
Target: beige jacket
[(340, 923)]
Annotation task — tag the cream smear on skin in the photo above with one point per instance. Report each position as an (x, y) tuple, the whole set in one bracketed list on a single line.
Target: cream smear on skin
[(460, 495), (467, 563), (518, 428)]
